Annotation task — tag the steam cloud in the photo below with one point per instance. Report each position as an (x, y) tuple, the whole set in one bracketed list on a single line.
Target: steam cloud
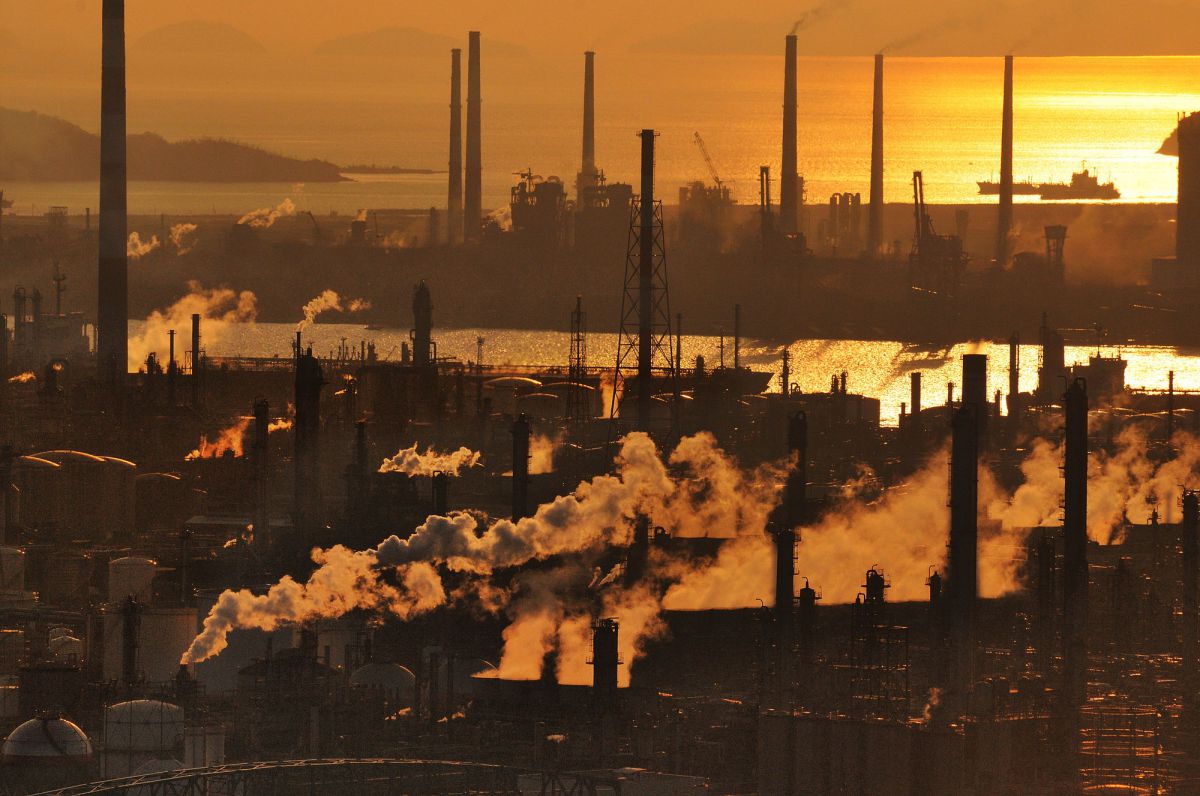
[(819, 12), (326, 301), (551, 609), (412, 462), (136, 248), (182, 238), (264, 217), (220, 308)]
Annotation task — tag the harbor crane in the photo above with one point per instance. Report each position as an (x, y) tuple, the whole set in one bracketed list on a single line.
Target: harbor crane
[(712, 170)]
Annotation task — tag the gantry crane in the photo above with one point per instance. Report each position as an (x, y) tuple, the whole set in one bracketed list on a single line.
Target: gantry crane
[(712, 170)]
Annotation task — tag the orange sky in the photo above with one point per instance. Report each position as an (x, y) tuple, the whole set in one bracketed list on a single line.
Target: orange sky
[(67, 27)]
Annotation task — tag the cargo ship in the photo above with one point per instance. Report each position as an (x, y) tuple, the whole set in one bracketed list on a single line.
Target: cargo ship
[(1022, 187), (1083, 185)]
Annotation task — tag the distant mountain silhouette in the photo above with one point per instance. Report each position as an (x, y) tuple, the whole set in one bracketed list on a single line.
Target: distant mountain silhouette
[(45, 148), (198, 36), (396, 42)]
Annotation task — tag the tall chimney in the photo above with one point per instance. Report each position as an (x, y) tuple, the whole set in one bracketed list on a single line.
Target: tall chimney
[(1187, 208), (307, 400), (788, 211), (197, 365), (422, 335), (646, 283), (875, 211), (1075, 564), (262, 473), (587, 173), (974, 389), (1004, 225), (962, 563), (914, 398), (473, 204), (606, 658), (520, 469), (112, 316), (454, 197)]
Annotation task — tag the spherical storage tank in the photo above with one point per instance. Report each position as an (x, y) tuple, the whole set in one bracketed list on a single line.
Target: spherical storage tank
[(394, 682), (138, 731), (45, 742), (131, 576), (45, 754)]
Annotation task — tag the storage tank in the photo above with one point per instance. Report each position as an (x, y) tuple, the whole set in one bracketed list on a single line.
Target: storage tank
[(65, 582), (131, 576), (41, 485), (391, 681), (139, 731), (12, 569), (45, 754), (203, 746), (164, 634)]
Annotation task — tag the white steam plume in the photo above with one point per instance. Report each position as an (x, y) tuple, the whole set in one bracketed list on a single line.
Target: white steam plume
[(136, 248), (182, 238), (264, 217), (220, 308), (411, 462), (326, 301)]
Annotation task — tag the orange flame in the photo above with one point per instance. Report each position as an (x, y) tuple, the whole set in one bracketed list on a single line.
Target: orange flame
[(229, 440), (23, 378)]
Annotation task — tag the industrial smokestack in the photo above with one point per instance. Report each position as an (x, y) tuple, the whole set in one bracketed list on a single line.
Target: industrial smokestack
[(197, 365), (454, 198), (112, 316), (307, 400), (875, 211), (914, 398), (422, 335), (645, 389), (962, 562), (1004, 224), (974, 394), (1075, 564), (131, 619), (785, 539), (262, 473), (520, 470), (473, 204), (1187, 208), (605, 658), (788, 211), (587, 172)]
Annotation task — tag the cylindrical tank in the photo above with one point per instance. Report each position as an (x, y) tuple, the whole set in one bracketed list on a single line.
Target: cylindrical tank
[(66, 579), (12, 570), (131, 576)]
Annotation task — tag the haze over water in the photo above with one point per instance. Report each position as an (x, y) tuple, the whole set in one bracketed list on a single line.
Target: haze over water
[(877, 368), (942, 116)]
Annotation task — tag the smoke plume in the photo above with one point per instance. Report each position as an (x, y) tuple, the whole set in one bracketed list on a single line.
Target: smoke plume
[(541, 454), (182, 238), (411, 462), (819, 12), (220, 308), (326, 301), (264, 217), (136, 248)]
